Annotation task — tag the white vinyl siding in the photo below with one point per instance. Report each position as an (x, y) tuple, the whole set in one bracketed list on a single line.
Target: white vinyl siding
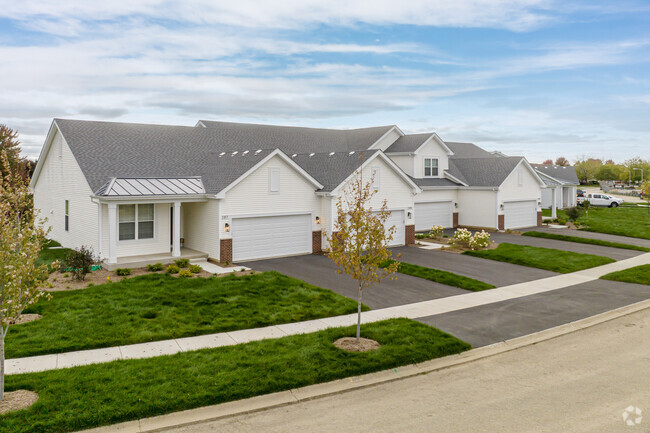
[(520, 214), (429, 214), (430, 167), (270, 236)]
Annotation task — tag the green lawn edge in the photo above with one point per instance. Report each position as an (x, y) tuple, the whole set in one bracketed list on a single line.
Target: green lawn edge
[(635, 275), (91, 396), (580, 240), (542, 258), (444, 277), (155, 307)]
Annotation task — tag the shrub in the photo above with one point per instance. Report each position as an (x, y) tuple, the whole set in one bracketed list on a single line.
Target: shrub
[(155, 267), (182, 263), (173, 269), (480, 240), (573, 213), (122, 272), (561, 221), (420, 236), (461, 237), (436, 231), (195, 269), (81, 261), (185, 273)]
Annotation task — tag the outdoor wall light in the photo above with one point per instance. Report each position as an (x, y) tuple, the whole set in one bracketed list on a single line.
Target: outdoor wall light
[(408, 215), (501, 206), (456, 204), (226, 227), (317, 220)]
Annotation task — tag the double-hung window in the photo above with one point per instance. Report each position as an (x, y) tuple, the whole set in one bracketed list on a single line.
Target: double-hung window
[(430, 167), (136, 221)]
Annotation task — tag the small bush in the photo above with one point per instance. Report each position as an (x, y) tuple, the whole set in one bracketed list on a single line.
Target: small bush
[(436, 231), (155, 267), (182, 263), (561, 221), (90, 285), (81, 261), (185, 273), (461, 237), (420, 236), (480, 240), (195, 269), (173, 269), (122, 272), (573, 213)]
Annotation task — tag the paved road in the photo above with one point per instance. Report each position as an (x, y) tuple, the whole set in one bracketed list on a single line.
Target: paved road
[(504, 320), (593, 235), (320, 271), (580, 382), (489, 271), (614, 253)]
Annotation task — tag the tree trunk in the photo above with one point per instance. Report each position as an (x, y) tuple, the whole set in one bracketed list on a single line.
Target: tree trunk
[(2, 366), (359, 313)]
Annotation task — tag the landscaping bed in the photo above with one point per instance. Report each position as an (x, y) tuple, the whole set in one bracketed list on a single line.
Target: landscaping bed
[(637, 275), (95, 395), (542, 258), (444, 277), (159, 307), (585, 241)]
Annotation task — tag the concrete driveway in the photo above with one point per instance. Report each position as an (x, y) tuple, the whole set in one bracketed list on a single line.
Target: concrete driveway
[(501, 321), (320, 271), (593, 235), (613, 253), (489, 271)]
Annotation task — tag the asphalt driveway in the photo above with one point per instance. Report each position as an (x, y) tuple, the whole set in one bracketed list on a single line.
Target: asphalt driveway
[(321, 271), (613, 253), (488, 324), (490, 271)]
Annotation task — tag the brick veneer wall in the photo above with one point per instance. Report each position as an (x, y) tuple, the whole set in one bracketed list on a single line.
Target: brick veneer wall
[(316, 242), (226, 251), (455, 219), (539, 219), (502, 222), (410, 235)]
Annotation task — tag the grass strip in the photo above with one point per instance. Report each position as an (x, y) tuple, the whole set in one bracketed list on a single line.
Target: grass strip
[(584, 240), (637, 275), (159, 307), (444, 277), (626, 221), (91, 396), (542, 258)]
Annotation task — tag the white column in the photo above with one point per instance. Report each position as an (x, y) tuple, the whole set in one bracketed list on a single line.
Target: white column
[(99, 230), (112, 233), (176, 242), (554, 205)]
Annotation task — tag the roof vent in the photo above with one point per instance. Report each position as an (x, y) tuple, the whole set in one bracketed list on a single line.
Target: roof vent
[(258, 151), (234, 153), (331, 153), (222, 154), (351, 153), (311, 154), (244, 152), (294, 155)]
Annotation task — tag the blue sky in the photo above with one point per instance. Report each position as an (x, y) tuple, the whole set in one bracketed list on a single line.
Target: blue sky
[(527, 77)]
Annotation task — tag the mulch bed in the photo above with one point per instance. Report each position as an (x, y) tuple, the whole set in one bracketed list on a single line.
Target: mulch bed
[(17, 400), (350, 344)]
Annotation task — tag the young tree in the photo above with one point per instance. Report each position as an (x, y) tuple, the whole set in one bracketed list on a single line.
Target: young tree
[(562, 161), (11, 146), (359, 247), (548, 162), (21, 238)]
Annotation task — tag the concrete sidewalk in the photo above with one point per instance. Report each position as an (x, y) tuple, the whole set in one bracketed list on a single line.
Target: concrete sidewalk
[(412, 311)]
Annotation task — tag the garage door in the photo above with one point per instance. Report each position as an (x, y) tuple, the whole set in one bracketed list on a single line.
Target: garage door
[(428, 215), (518, 214), (270, 236), (396, 219)]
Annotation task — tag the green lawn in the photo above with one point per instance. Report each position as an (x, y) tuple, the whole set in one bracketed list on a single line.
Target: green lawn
[(548, 212), (638, 275), (622, 221), (159, 307), (543, 258), (49, 255), (444, 277), (90, 396), (584, 240)]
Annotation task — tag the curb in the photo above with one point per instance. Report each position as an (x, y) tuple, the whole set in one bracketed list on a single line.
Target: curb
[(311, 392)]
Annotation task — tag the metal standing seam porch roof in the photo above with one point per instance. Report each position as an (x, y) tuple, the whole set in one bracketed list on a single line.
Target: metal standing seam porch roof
[(147, 186)]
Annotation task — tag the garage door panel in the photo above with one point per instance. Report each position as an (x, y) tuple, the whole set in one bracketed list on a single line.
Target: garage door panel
[(433, 213), (270, 236), (396, 219), (520, 214)]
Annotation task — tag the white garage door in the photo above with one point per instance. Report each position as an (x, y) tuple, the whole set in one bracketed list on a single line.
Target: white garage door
[(518, 214), (270, 236), (428, 215), (396, 219)]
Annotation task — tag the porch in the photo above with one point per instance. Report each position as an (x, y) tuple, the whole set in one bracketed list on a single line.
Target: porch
[(149, 259)]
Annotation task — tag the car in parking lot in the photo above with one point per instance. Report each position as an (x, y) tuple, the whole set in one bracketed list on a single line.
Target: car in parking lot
[(602, 200)]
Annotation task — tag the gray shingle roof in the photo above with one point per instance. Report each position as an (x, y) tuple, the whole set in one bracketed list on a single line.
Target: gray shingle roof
[(339, 166), (408, 143), (565, 174), (468, 150), (434, 181), (488, 172)]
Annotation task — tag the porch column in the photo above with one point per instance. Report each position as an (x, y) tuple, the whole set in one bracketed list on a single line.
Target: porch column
[(554, 205), (112, 233), (100, 227), (176, 242)]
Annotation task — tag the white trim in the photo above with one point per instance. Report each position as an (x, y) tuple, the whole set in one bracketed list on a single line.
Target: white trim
[(435, 137), (394, 128), (45, 150), (200, 123), (424, 167), (274, 177), (137, 212), (100, 223), (433, 201), (276, 152), (274, 214), (151, 198), (435, 188), (454, 178), (530, 168)]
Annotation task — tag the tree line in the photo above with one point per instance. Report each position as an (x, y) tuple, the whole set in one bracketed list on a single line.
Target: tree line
[(588, 169)]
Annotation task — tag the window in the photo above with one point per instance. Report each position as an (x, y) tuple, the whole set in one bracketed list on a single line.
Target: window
[(274, 180), (430, 167), (67, 215), (136, 221), (375, 178)]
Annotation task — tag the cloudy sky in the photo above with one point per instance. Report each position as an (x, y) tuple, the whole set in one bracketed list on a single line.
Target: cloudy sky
[(536, 78)]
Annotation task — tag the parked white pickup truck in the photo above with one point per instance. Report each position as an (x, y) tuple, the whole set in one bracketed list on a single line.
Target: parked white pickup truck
[(600, 200)]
